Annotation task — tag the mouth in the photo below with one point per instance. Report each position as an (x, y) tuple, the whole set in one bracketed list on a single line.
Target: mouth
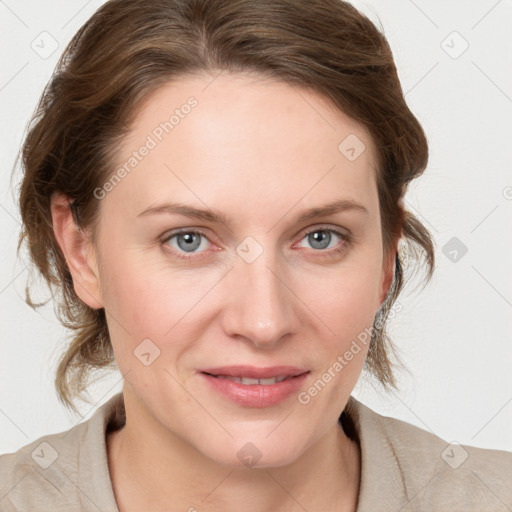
[(248, 381), (251, 375), (255, 387)]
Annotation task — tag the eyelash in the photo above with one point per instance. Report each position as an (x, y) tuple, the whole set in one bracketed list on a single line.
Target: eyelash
[(345, 237)]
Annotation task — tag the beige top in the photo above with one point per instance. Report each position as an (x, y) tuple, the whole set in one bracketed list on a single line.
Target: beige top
[(403, 468)]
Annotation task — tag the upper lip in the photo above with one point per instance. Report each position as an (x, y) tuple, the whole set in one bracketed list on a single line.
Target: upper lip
[(253, 372)]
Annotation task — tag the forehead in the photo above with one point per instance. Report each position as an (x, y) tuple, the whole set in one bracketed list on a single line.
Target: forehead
[(247, 141)]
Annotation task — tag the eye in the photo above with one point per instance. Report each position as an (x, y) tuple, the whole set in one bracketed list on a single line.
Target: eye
[(321, 239), (187, 242)]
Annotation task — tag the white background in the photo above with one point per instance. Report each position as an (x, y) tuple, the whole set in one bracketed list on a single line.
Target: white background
[(454, 336)]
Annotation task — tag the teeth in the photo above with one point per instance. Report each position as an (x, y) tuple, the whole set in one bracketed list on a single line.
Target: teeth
[(272, 380), (251, 382)]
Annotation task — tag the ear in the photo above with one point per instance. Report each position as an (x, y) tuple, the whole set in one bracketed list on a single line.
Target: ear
[(388, 271), (388, 266), (78, 251)]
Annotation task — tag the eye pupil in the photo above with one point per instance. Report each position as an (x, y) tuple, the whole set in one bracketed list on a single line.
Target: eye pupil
[(322, 238), (191, 241)]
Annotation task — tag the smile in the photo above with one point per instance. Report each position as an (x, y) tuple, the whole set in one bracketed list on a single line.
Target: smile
[(250, 386), (248, 381)]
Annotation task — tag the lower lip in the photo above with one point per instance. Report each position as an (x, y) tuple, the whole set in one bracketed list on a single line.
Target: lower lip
[(256, 395)]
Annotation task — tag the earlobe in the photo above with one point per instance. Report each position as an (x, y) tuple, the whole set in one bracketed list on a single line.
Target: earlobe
[(77, 250)]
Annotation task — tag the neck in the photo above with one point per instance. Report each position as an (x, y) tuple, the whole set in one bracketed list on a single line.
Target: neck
[(165, 471)]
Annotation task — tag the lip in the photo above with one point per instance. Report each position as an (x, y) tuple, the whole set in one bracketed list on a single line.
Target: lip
[(253, 372), (255, 395)]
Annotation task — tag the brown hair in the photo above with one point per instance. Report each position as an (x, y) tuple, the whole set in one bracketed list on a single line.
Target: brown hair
[(128, 48)]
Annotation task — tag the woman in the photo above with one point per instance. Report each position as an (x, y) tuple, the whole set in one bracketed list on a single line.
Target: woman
[(214, 191)]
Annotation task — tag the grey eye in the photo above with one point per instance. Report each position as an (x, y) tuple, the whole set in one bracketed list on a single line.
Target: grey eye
[(319, 239), (188, 241)]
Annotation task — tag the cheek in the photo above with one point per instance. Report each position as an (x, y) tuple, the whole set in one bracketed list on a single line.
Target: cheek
[(346, 309), (148, 301), (345, 300), (145, 299)]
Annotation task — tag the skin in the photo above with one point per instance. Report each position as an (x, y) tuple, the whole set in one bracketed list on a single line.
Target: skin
[(261, 152)]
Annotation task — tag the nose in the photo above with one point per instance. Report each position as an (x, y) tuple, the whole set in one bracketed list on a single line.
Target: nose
[(261, 306)]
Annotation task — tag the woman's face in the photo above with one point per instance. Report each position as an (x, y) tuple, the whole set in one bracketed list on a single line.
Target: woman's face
[(244, 284)]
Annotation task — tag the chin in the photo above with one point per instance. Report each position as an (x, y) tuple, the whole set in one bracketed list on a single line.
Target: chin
[(257, 454)]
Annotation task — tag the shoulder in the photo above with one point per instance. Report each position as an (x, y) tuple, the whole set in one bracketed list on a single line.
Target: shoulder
[(40, 473), (429, 472), (63, 471)]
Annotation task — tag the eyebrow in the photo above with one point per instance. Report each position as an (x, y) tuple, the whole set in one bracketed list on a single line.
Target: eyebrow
[(215, 216)]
